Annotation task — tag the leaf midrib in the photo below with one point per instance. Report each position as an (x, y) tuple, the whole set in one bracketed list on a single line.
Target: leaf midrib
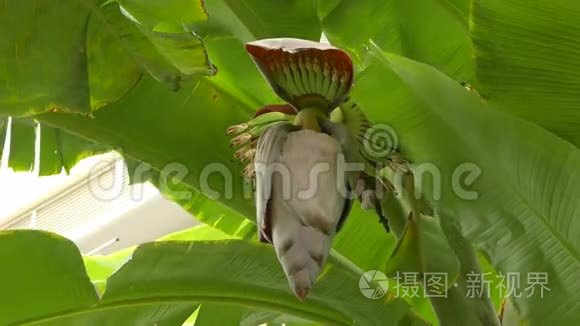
[(163, 300)]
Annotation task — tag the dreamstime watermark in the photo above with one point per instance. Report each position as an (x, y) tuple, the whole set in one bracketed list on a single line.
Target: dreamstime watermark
[(380, 140), (219, 181), (374, 284)]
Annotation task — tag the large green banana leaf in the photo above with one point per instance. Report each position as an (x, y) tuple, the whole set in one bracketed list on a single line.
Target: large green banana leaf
[(527, 55), (163, 282), (431, 31), (524, 216), (57, 149), (81, 55)]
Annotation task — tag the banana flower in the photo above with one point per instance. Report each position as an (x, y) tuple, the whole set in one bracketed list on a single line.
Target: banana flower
[(296, 153)]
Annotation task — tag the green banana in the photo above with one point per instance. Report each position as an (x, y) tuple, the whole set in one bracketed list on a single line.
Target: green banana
[(263, 119)]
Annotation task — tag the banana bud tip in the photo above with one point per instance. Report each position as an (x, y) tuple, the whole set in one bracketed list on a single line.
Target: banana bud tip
[(241, 139), (300, 283), (236, 129), (301, 293)]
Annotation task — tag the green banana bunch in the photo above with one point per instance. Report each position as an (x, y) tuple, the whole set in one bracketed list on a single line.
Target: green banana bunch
[(246, 134)]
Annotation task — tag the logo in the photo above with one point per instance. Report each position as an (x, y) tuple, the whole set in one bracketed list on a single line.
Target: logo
[(373, 284), (380, 140)]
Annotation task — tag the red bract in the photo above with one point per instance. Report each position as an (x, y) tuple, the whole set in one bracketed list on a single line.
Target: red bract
[(304, 73), (283, 108)]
